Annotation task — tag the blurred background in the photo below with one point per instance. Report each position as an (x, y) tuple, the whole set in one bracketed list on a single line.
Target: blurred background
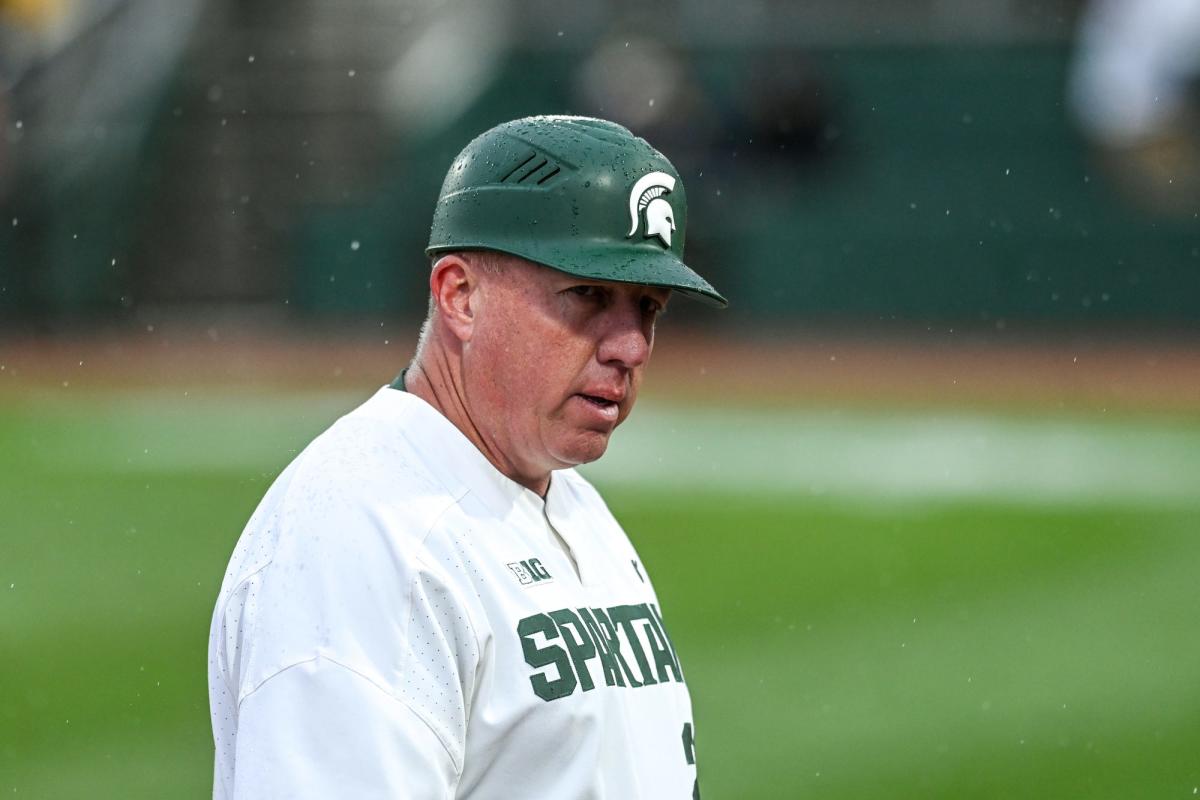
[(922, 506)]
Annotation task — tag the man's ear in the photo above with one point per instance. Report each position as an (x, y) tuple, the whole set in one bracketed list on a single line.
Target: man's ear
[(453, 284)]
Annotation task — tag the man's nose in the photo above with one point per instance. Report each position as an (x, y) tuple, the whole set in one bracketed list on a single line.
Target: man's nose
[(627, 339)]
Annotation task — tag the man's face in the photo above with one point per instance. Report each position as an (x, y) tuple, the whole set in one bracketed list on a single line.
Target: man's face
[(554, 363)]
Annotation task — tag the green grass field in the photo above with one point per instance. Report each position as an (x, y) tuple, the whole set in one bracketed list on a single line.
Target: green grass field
[(866, 604)]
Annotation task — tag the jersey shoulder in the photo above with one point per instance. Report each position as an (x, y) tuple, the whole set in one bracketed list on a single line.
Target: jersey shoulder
[(367, 461), (359, 478), (334, 557)]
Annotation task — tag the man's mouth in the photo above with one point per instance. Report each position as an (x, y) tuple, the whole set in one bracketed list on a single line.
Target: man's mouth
[(596, 400)]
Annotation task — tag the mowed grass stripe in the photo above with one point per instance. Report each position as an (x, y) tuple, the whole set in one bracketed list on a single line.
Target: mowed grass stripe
[(848, 454), (889, 457), (177, 431)]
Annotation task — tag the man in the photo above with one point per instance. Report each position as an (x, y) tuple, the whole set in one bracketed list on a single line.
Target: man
[(430, 602)]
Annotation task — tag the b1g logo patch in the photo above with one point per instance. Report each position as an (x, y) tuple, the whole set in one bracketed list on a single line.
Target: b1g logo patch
[(648, 203), (530, 571)]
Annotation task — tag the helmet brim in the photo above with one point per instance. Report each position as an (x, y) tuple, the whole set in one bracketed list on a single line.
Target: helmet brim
[(645, 266)]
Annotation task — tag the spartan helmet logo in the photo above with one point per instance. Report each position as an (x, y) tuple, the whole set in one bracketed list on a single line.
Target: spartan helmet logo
[(647, 197)]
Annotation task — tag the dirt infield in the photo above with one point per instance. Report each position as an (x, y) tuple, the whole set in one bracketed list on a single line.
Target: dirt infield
[(795, 368)]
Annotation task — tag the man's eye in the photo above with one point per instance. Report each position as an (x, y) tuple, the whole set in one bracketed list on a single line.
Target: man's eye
[(586, 291)]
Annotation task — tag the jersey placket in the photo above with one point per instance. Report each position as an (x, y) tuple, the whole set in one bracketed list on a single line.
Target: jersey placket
[(575, 539), (559, 540)]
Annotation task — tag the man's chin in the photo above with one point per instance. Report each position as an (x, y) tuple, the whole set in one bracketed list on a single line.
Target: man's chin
[(585, 447)]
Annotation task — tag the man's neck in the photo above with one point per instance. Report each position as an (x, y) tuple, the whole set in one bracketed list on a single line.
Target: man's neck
[(433, 380)]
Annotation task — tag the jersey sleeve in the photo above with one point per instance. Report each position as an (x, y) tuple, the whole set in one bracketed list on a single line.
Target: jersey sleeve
[(320, 730)]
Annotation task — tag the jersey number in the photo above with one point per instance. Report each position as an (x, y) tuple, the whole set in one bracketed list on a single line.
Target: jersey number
[(689, 752)]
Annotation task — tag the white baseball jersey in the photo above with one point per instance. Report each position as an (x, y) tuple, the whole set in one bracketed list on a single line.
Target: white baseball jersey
[(400, 620)]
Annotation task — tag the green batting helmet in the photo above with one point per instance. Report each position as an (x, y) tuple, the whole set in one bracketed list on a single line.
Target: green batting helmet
[(581, 195)]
